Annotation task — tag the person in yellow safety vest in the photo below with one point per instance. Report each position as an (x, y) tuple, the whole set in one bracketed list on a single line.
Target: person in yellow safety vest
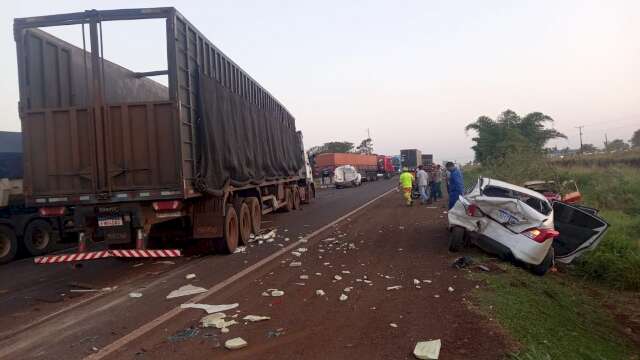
[(406, 184)]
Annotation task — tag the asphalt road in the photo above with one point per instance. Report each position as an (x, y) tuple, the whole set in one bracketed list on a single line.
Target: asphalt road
[(41, 318)]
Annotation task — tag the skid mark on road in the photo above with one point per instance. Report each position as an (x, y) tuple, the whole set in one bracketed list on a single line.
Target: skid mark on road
[(123, 341)]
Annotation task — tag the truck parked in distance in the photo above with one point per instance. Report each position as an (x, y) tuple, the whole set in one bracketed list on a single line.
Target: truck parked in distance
[(411, 158), (22, 229), (427, 159), (366, 165), (146, 168), (385, 166)]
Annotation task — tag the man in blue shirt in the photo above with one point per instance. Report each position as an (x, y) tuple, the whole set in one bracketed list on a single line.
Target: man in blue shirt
[(455, 185)]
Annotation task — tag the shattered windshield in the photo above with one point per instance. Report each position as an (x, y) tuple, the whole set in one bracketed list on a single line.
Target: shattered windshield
[(541, 206)]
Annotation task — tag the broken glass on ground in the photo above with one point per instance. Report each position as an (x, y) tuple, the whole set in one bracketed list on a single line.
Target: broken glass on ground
[(186, 291)]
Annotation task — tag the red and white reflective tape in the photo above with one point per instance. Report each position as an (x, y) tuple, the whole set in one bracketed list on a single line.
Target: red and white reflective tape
[(133, 253)]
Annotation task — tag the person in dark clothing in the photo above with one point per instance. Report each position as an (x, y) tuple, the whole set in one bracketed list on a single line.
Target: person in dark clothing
[(455, 183)]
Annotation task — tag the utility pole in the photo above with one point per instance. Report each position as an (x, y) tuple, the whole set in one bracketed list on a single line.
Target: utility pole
[(580, 129), (606, 142)]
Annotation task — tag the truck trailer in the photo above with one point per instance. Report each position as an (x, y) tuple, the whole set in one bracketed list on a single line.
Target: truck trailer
[(367, 165), (149, 168), (411, 158)]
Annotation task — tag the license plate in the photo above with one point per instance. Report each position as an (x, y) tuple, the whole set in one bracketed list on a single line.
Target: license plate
[(111, 221)]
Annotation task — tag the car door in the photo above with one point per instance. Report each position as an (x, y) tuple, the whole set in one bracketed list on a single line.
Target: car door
[(580, 230)]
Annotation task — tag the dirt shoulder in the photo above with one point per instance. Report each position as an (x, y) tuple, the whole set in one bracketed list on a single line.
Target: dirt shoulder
[(388, 245)]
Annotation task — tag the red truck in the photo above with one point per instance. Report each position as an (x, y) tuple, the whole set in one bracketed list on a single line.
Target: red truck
[(147, 169), (385, 166), (367, 165)]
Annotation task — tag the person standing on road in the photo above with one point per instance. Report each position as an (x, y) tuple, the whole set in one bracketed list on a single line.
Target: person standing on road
[(436, 183), (406, 184), (455, 185), (423, 184)]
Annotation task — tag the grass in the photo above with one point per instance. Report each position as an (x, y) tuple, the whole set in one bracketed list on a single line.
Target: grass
[(551, 317)]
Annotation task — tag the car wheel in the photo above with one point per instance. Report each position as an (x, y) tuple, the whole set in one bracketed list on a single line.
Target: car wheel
[(545, 265), (456, 238)]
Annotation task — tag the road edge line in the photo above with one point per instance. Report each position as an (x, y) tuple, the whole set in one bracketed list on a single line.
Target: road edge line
[(133, 335)]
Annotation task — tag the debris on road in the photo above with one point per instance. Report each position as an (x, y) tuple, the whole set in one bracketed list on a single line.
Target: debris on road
[(427, 281), (295, 264), (450, 289), (348, 289), (210, 309), (137, 265), (275, 333), (184, 334), (343, 297), (240, 249), (190, 276), (135, 295), (213, 319), (235, 343), (429, 350), (255, 318), (304, 277), (104, 289), (463, 262), (483, 268), (393, 325), (320, 292), (165, 262), (416, 282), (346, 272), (186, 291), (296, 254), (395, 287), (277, 293), (338, 277)]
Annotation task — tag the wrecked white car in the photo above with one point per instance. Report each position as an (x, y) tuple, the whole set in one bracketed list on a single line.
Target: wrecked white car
[(346, 175), (523, 226)]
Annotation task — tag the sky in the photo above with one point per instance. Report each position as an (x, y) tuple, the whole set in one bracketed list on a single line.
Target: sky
[(412, 73)]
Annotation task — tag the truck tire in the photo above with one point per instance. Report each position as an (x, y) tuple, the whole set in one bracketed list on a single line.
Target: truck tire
[(256, 214), (296, 198), (545, 265), (456, 238), (229, 242), (39, 237), (8, 244), (244, 222), (288, 206)]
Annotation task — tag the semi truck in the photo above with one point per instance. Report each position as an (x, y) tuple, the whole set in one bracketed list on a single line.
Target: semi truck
[(385, 166), (22, 229), (150, 168), (427, 160), (411, 158), (366, 165)]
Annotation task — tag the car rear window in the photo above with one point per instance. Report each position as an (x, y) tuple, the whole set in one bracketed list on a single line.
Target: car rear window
[(541, 206)]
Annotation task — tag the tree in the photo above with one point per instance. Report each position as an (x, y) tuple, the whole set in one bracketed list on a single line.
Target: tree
[(509, 134), (365, 147), (617, 145), (635, 140), (589, 148)]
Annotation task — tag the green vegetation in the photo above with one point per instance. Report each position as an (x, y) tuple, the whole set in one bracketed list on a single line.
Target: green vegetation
[(552, 317)]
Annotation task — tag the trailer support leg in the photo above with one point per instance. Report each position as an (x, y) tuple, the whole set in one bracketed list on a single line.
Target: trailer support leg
[(82, 242), (141, 240)]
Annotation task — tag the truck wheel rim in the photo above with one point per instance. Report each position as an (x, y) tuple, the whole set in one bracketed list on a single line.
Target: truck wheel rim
[(40, 239), (5, 245)]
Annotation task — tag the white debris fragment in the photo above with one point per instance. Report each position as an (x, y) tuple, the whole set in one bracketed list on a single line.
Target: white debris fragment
[(320, 292), (436, 296), (301, 249), (300, 283), (427, 281), (255, 318), (213, 319), (367, 281), (235, 343), (450, 289), (135, 295), (304, 277), (358, 280), (318, 274), (418, 287), (346, 272), (186, 291), (190, 276), (303, 240), (270, 240), (416, 282), (427, 350), (224, 330), (240, 249), (277, 293), (286, 239), (401, 227), (352, 246), (348, 289), (388, 277), (329, 239), (210, 309), (295, 264), (395, 287), (337, 277), (326, 264), (393, 325), (165, 262), (260, 242), (343, 297), (264, 293), (296, 254)]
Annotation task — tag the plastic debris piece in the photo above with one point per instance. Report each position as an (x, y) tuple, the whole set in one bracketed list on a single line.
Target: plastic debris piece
[(186, 291), (320, 292), (346, 272), (240, 249), (264, 293), (343, 297), (318, 274), (416, 282), (427, 281), (135, 295), (235, 343), (190, 276), (304, 277), (393, 325), (224, 330), (427, 350), (451, 289), (295, 264), (367, 281), (483, 268), (395, 287), (210, 309), (255, 318), (295, 253), (436, 296), (301, 249), (348, 289), (213, 319), (277, 293), (184, 334)]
